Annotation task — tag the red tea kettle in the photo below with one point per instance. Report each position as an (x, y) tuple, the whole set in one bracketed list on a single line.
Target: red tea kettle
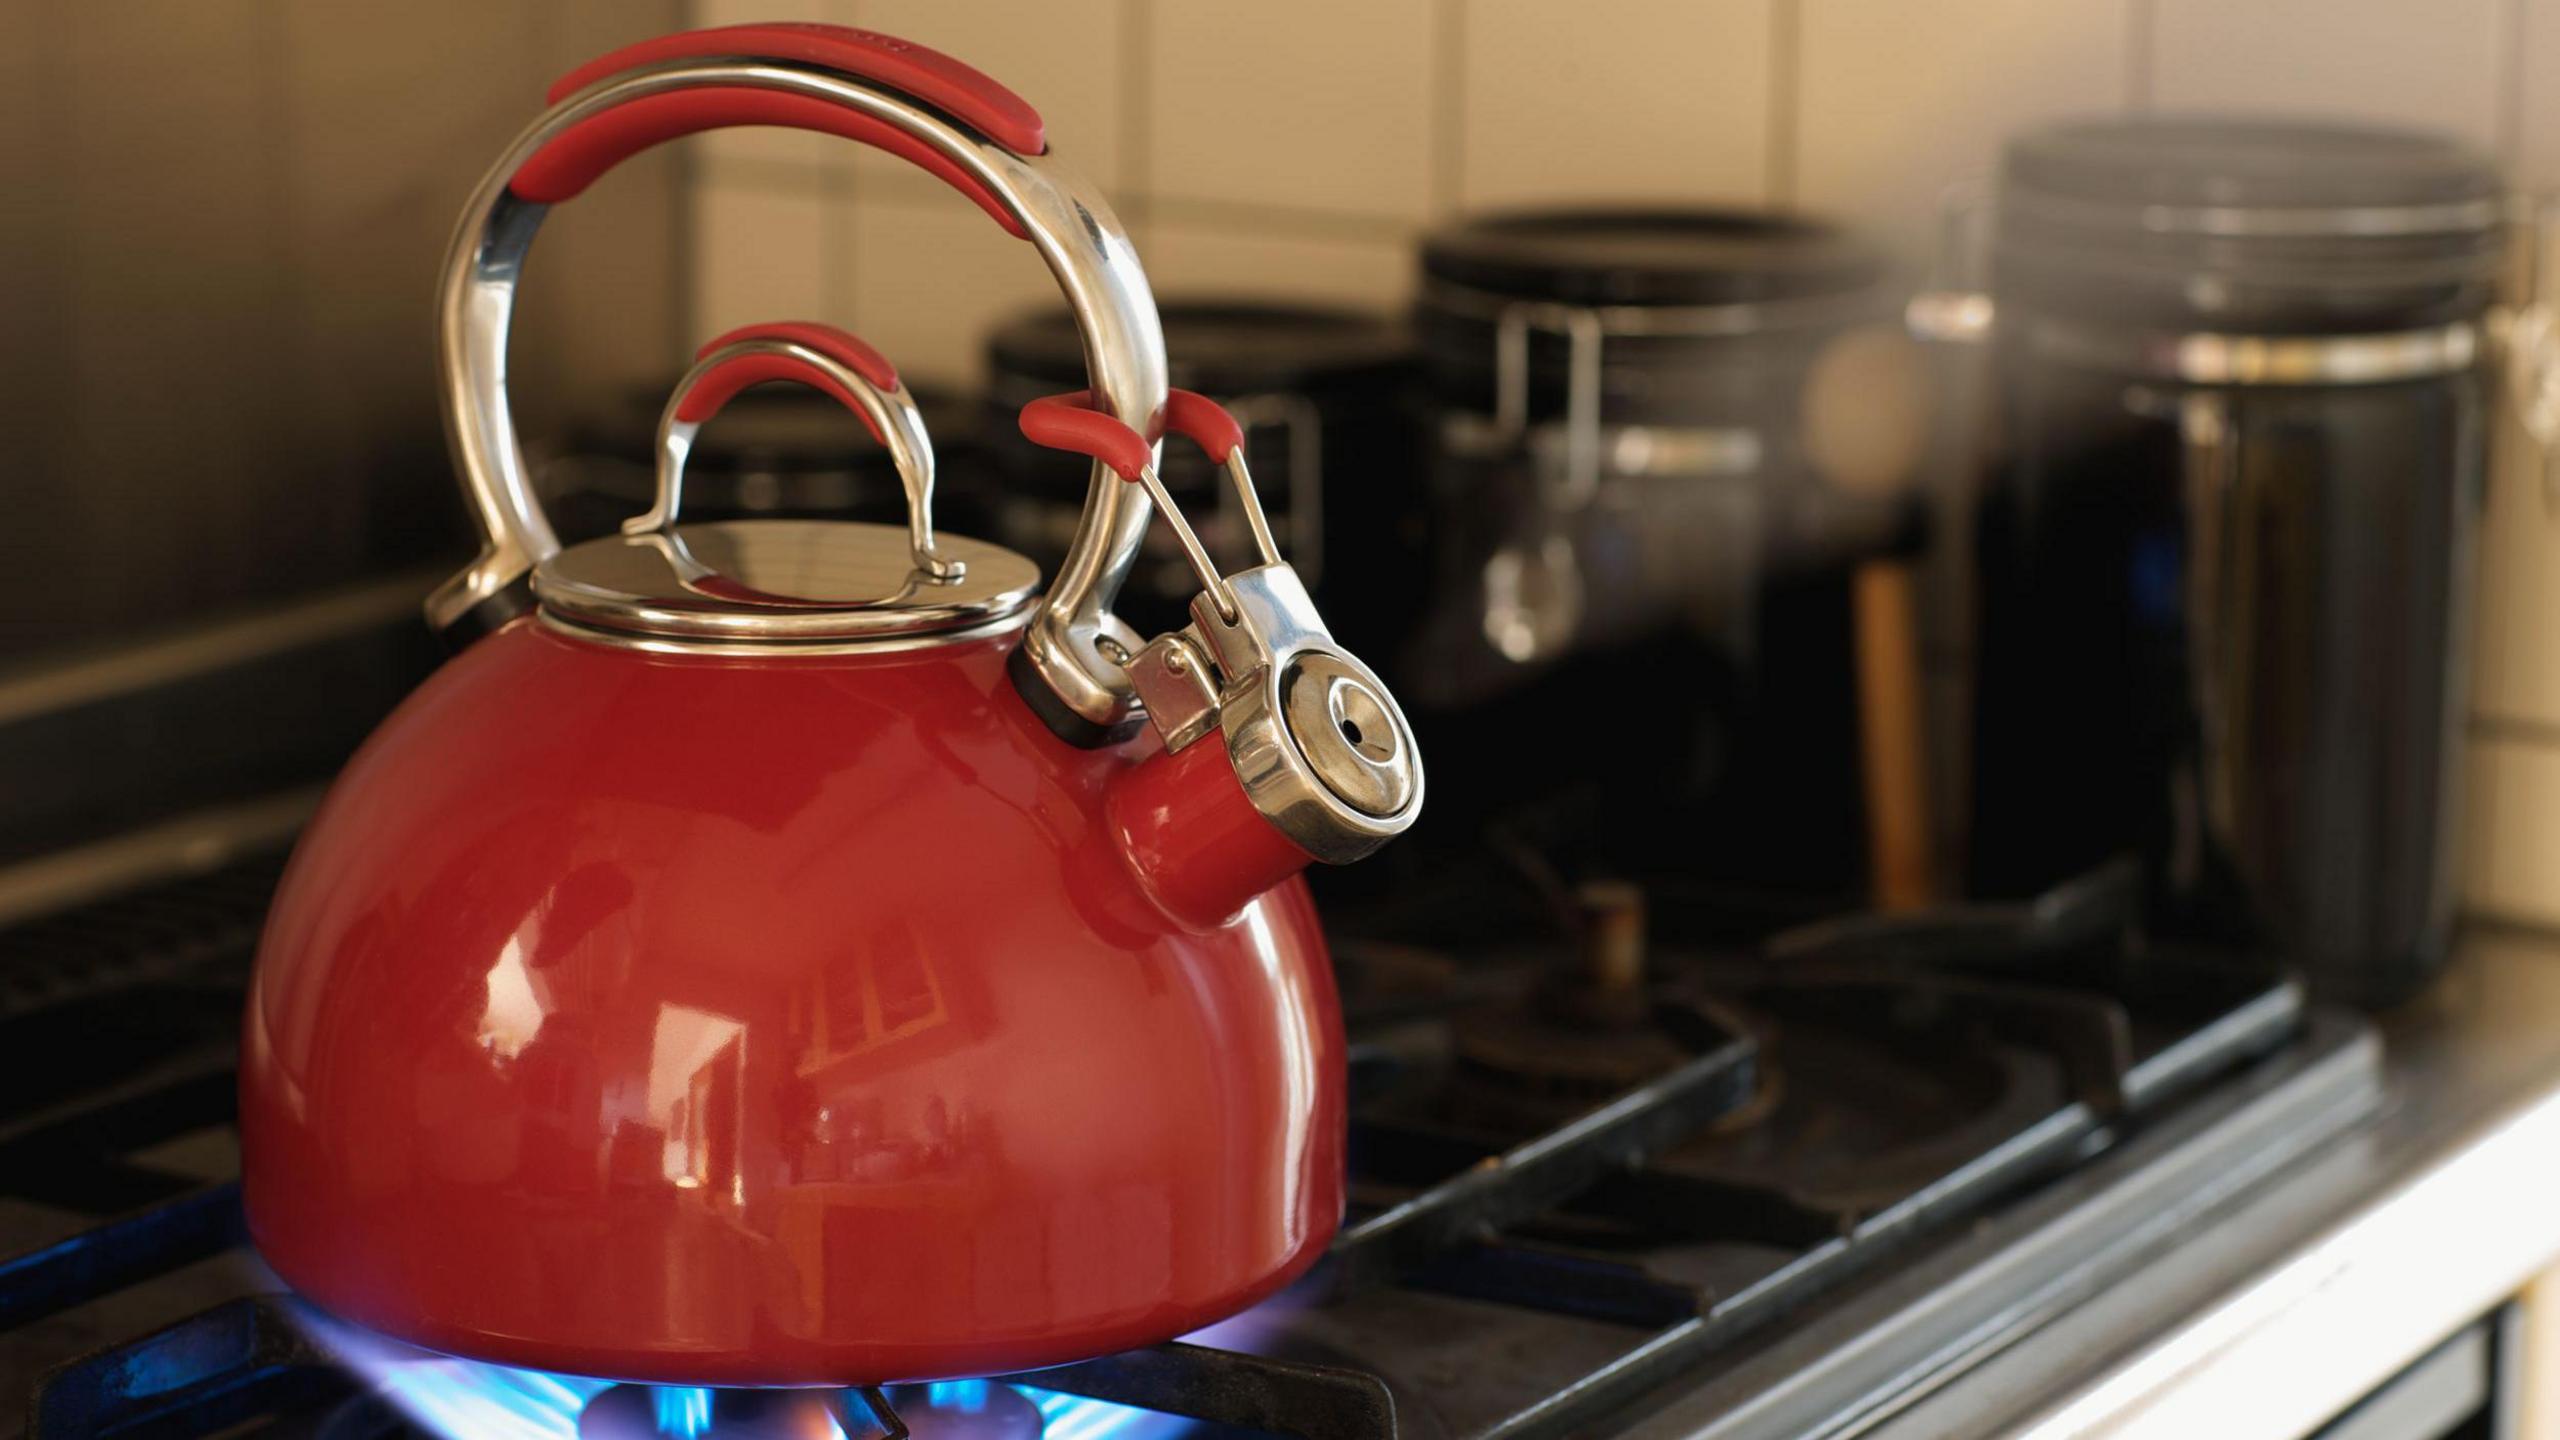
[(792, 953)]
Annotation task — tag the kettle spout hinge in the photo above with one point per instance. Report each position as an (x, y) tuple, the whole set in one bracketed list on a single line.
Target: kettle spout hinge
[(1316, 742), (1174, 679)]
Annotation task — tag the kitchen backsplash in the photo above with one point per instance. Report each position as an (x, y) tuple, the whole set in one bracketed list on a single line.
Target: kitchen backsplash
[(1296, 149), (220, 244)]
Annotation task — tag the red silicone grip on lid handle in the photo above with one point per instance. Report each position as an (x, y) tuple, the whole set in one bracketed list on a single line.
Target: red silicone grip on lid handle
[(717, 386), (573, 159), (1069, 422), (833, 362)]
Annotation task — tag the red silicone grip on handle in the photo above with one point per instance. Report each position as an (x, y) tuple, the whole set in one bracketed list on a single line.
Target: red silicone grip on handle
[(1205, 421), (722, 382), (1069, 422), (929, 75), (572, 160)]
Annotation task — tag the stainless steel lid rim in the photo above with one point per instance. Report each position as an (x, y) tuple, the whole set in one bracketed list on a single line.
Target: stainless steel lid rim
[(1736, 381), (1604, 255), (1001, 628), (2219, 358), (2348, 260), (2379, 286), (1727, 320), (2465, 217), (1635, 364), (738, 581), (2342, 295)]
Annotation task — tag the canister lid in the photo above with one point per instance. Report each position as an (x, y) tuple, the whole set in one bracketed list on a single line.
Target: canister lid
[(755, 583), (2249, 225), (1649, 257), (2234, 163)]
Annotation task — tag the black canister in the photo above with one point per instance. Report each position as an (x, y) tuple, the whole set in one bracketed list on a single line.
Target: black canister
[(2225, 544), (1647, 513), (1322, 395), (1646, 516), (1619, 435)]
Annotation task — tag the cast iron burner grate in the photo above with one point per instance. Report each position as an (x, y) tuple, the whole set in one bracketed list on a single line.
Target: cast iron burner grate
[(1839, 1096)]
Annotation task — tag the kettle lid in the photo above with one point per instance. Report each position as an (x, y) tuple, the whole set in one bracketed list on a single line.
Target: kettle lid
[(760, 583)]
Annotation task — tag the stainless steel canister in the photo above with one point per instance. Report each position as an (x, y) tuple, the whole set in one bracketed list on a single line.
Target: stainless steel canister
[(2226, 537)]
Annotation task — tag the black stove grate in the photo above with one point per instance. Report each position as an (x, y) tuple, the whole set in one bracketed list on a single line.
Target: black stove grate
[(117, 1026), (1540, 1223)]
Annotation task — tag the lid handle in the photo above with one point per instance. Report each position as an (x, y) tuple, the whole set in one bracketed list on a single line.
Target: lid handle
[(918, 104), (826, 359)]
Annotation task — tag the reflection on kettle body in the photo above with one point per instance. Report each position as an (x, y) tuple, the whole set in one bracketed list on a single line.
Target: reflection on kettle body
[(515, 1012), (714, 584), (695, 1093)]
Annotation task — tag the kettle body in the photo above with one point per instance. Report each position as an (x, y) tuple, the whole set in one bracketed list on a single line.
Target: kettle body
[(787, 952), (715, 1021)]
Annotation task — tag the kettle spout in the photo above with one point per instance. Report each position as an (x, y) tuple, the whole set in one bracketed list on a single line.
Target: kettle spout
[(1189, 832)]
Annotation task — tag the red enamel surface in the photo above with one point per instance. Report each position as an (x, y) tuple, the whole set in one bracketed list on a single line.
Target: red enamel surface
[(959, 90), (771, 1022), (721, 383), (572, 160), (1198, 844)]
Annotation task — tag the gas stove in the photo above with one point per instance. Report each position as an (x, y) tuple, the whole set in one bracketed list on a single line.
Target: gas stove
[(1605, 1142)]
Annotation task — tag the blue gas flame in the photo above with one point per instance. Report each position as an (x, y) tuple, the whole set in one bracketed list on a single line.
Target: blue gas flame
[(1072, 1417), (968, 1397), (460, 1399), (683, 1411)]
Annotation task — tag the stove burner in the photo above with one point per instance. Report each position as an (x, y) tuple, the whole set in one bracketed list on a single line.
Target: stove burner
[(676, 1412), (1862, 1098), (1589, 1030), (1522, 1281), (408, 1393), (945, 1410)]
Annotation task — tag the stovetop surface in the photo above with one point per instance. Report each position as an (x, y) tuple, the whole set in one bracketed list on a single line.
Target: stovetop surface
[(1594, 1150)]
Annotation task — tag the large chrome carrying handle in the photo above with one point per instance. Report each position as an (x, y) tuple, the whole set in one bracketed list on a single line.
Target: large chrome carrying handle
[(925, 107)]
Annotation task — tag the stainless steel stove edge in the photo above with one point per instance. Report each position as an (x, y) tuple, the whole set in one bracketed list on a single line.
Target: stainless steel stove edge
[(2142, 1298), (1916, 1337)]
